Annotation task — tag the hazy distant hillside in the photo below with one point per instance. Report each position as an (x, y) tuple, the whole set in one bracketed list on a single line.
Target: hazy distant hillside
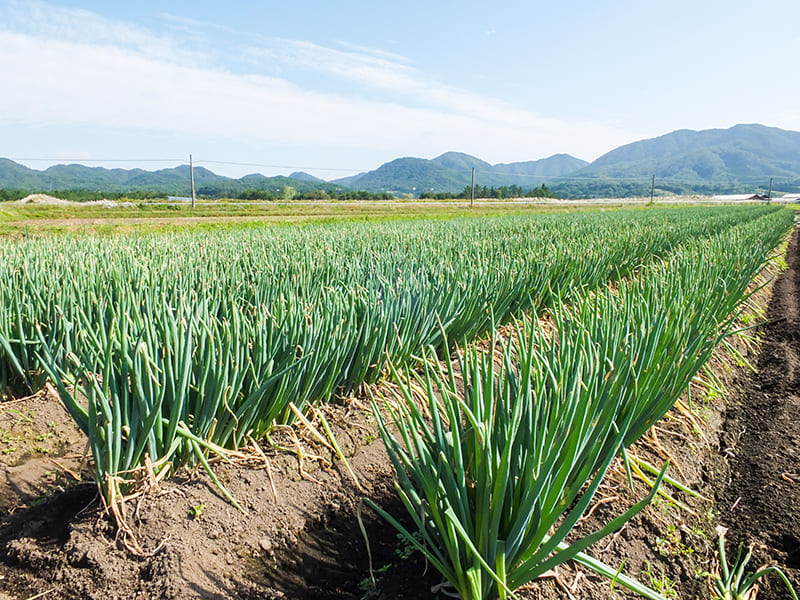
[(408, 175), (303, 176), (740, 155), (459, 161), (557, 165), (80, 177), (173, 181), (19, 177), (740, 159), (452, 172)]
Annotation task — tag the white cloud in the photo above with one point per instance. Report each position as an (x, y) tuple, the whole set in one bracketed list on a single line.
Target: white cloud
[(195, 28), (376, 52), (76, 25), (487, 116), (129, 79), (68, 83), (360, 67)]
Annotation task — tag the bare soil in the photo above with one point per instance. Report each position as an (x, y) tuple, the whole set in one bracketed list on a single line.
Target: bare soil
[(39, 446), (741, 455), (762, 499)]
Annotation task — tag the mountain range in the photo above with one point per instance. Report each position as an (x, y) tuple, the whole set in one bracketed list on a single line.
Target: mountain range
[(741, 158), (739, 153), (452, 171)]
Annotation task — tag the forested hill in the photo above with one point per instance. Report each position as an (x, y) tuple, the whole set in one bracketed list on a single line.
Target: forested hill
[(740, 153), (741, 159), (174, 181), (452, 171)]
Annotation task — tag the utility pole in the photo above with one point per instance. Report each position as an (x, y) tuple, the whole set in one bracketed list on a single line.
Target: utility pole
[(769, 193), (472, 197), (652, 189), (191, 177)]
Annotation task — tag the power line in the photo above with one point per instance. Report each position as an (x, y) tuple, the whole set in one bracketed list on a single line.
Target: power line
[(242, 164), (94, 160), (182, 161)]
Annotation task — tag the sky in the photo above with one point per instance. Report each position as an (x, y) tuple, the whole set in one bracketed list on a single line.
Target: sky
[(337, 88)]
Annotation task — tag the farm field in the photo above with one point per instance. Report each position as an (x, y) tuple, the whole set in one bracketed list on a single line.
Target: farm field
[(52, 215), (231, 375), (46, 215)]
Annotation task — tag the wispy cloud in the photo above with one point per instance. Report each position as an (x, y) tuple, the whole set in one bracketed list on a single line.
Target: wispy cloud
[(195, 27), (121, 88), (358, 67), (131, 78), (389, 56), (77, 25)]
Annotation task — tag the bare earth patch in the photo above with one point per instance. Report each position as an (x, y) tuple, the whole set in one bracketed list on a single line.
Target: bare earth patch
[(763, 436)]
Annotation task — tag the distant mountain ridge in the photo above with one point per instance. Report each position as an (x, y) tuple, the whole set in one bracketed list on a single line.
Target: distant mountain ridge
[(303, 176), (557, 165), (173, 181), (452, 171), (741, 152), (74, 176), (741, 158)]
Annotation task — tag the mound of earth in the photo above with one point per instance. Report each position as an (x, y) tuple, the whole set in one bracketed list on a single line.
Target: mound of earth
[(43, 199)]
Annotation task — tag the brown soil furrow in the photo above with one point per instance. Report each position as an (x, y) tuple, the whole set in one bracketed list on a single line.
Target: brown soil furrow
[(762, 500)]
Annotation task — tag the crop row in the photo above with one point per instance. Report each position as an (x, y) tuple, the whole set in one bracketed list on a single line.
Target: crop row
[(499, 467), (173, 347)]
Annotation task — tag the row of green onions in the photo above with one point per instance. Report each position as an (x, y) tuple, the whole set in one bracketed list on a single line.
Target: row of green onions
[(504, 458), (174, 347)]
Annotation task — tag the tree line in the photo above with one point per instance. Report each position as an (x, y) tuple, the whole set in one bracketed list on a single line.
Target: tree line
[(289, 193), (81, 195), (502, 192), (286, 192)]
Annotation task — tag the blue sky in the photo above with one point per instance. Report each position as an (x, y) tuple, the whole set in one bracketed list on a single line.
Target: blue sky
[(334, 88)]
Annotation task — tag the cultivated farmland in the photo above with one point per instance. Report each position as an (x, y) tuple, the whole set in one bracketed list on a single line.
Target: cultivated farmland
[(179, 353)]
